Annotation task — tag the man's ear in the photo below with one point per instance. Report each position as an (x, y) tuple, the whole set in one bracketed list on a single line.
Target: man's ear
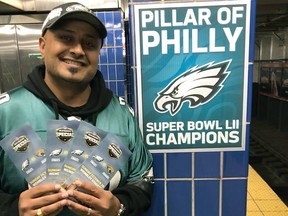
[(42, 43)]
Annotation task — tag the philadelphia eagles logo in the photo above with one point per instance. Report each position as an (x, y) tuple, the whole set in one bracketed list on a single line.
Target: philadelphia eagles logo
[(197, 86)]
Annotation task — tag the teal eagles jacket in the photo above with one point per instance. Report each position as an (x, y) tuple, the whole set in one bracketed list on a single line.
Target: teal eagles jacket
[(34, 103)]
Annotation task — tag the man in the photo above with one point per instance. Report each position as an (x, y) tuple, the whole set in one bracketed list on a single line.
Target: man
[(68, 86)]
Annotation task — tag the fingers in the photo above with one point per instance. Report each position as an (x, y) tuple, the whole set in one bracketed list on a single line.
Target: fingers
[(40, 190), (88, 196), (82, 198), (89, 188), (49, 198), (51, 210), (43, 194), (80, 209)]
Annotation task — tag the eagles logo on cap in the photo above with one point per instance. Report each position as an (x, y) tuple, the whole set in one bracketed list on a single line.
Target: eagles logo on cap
[(114, 151), (92, 139), (64, 134), (20, 144), (74, 10)]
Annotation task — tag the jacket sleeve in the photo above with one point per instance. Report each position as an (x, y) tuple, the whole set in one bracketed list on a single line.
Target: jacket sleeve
[(8, 204), (10, 187), (136, 193), (135, 199)]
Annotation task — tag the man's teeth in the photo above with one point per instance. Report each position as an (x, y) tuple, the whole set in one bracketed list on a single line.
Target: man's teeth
[(73, 62)]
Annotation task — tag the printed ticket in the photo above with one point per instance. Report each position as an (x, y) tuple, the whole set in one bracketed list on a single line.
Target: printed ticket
[(74, 150), (103, 162), (87, 138), (26, 150), (60, 135)]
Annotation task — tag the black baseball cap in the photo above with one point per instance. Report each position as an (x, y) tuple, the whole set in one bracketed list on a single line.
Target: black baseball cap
[(73, 10)]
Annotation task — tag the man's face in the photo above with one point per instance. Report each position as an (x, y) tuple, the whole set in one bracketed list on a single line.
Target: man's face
[(71, 52)]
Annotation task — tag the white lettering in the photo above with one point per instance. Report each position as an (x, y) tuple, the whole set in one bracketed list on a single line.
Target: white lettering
[(147, 16), (164, 126), (232, 38), (193, 138), (150, 39), (180, 40), (237, 15), (173, 41), (224, 15)]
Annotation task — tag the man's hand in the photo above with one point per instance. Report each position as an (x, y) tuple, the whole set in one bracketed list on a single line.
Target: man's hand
[(49, 198), (92, 200)]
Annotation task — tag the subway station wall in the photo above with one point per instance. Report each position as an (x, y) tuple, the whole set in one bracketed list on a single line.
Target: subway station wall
[(269, 47), (19, 52)]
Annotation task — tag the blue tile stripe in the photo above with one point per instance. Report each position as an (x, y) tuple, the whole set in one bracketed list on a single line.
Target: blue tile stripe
[(112, 56)]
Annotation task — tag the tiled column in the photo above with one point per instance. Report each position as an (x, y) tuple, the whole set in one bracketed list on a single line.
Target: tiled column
[(203, 183)]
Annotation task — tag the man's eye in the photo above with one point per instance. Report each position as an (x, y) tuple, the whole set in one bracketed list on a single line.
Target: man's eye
[(66, 38), (90, 44)]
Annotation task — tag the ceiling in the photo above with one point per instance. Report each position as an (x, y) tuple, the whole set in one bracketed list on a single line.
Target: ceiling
[(32, 6), (271, 15)]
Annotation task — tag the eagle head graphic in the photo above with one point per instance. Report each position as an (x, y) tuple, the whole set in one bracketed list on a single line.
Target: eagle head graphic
[(197, 86)]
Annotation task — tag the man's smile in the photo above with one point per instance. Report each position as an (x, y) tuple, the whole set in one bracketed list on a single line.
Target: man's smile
[(73, 63)]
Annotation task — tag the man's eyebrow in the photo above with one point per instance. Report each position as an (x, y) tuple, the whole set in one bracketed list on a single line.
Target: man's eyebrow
[(89, 35), (65, 30)]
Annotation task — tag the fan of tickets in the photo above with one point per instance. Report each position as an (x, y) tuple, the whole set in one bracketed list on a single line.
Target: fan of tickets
[(74, 150)]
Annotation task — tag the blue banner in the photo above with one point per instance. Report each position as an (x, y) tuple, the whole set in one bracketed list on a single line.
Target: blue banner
[(192, 74)]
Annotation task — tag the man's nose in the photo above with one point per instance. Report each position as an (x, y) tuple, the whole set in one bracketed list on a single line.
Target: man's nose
[(77, 49)]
